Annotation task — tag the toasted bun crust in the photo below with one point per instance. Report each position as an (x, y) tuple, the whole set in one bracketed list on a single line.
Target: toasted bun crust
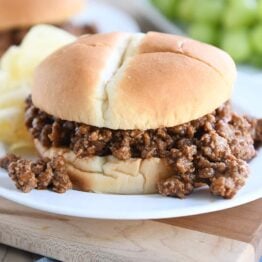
[(110, 175), (133, 81), (22, 13)]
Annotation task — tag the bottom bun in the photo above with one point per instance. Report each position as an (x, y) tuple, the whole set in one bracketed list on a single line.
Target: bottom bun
[(110, 175)]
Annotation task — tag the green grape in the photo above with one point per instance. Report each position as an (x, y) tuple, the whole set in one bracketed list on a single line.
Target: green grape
[(256, 38), (203, 32), (208, 11), (236, 43), (186, 10), (240, 13), (167, 7), (259, 10)]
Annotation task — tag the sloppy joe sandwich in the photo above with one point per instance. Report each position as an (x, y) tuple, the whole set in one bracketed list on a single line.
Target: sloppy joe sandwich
[(134, 114), (140, 114)]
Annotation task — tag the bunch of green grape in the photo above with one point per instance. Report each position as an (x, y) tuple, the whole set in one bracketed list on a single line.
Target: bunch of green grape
[(233, 25)]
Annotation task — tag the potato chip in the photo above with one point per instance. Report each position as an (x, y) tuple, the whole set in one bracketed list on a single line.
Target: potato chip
[(40, 41), (15, 97)]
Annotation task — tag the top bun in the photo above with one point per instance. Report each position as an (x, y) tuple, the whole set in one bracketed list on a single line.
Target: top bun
[(23, 13), (133, 81)]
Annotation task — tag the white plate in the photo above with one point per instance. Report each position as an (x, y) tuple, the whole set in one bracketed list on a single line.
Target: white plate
[(106, 18), (247, 99)]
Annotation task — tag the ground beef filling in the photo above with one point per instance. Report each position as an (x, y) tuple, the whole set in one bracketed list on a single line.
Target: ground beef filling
[(15, 36), (211, 150), (258, 131), (40, 174)]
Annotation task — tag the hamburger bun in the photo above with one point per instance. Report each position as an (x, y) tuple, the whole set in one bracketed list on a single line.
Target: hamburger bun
[(129, 81), (110, 175), (133, 81), (19, 14)]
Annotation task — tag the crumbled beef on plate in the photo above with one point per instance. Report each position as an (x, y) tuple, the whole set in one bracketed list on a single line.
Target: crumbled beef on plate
[(40, 174)]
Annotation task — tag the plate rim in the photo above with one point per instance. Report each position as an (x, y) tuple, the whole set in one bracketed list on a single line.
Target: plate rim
[(220, 204)]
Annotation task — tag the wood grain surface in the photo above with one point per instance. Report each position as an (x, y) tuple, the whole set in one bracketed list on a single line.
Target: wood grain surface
[(76, 239), (242, 223)]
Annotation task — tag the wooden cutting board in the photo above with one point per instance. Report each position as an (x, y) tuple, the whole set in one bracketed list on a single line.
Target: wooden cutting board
[(231, 235)]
